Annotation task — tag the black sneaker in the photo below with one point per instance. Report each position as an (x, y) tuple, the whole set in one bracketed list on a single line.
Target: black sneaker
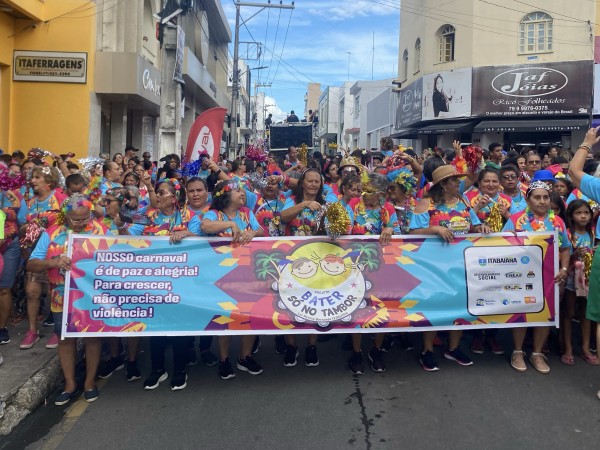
[(376, 358), (155, 378), (49, 321), (356, 364), (291, 355), (110, 367), (428, 362), (405, 343), (179, 381), (249, 364), (458, 356), (209, 358), (4, 337), (256, 345), (310, 356), (280, 344), (388, 343), (132, 371), (190, 357), (225, 370)]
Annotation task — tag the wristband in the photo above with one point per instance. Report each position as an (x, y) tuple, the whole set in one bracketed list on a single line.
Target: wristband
[(564, 268), (218, 172), (587, 147)]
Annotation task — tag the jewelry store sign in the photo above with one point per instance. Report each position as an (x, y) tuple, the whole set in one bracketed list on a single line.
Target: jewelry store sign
[(50, 67)]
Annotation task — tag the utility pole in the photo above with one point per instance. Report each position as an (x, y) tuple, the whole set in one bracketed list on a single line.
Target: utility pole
[(235, 86), (349, 53), (256, 86)]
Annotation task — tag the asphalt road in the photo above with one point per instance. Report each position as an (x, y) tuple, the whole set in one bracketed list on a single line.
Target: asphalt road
[(485, 406)]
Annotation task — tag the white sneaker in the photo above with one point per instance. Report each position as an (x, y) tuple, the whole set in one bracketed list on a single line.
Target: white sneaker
[(2, 360)]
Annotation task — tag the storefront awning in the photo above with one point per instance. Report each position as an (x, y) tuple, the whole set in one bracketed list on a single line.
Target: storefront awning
[(448, 127), (531, 125), (409, 133)]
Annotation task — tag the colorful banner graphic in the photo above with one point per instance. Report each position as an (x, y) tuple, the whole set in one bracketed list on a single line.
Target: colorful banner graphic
[(120, 285)]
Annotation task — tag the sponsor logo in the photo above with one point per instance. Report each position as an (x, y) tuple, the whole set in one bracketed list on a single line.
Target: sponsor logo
[(525, 259), (486, 276), (480, 302), (492, 289), (505, 301), (529, 287), (512, 287), (501, 261), (531, 274), (530, 300), (529, 82), (513, 275), (482, 262)]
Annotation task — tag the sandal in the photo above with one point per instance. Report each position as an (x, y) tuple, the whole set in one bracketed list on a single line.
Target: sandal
[(590, 359), (568, 360)]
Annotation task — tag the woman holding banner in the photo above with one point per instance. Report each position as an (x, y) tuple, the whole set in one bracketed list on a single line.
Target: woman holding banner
[(538, 216), (445, 213), (229, 217), (167, 220), (49, 256), (590, 187), (302, 214)]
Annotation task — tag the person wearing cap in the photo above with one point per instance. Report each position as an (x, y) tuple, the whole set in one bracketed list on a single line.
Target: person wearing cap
[(130, 151), (445, 213), (538, 216)]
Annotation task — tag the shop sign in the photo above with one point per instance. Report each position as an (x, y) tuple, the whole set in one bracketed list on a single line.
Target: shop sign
[(409, 105), (149, 83), (532, 90), (447, 95), (50, 67)]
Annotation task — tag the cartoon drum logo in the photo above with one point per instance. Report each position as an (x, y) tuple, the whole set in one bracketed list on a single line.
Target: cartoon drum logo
[(321, 283)]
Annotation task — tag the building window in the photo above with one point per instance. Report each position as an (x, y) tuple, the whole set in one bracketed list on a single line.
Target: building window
[(405, 65), (535, 33), (356, 106), (418, 55), (445, 39)]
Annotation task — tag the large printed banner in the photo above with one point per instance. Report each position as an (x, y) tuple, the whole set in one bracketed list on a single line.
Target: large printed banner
[(123, 285)]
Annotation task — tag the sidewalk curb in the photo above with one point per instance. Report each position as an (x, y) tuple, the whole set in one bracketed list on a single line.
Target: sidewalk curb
[(17, 405)]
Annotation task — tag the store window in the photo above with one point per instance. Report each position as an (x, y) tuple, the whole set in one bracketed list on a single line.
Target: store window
[(418, 55), (405, 65), (445, 41), (535, 33)]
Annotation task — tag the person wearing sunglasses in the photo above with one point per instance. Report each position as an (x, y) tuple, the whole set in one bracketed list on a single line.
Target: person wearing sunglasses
[(512, 187)]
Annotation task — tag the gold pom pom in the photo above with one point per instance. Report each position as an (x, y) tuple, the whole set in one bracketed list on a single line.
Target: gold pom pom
[(303, 155), (494, 220), (338, 222), (587, 265)]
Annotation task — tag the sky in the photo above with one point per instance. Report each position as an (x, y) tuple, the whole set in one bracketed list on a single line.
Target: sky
[(318, 34)]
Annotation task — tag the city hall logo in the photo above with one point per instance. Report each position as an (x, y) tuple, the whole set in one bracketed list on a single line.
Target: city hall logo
[(319, 282), (529, 82)]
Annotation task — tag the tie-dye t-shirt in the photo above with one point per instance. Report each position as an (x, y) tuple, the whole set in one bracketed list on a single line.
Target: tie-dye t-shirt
[(458, 217)]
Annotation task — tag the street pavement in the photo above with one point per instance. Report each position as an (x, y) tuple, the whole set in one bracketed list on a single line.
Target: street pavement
[(484, 406)]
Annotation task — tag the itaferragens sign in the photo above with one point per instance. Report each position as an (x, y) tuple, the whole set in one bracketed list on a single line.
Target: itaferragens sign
[(532, 90), (54, 67)]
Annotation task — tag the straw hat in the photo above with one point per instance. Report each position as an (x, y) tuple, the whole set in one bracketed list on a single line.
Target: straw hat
[(444, 172)]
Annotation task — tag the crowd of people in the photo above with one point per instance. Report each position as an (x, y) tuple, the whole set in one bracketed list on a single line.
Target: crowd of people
[(384, 193)]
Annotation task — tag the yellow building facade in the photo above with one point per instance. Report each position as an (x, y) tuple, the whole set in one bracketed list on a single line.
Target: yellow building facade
[(48, 114)]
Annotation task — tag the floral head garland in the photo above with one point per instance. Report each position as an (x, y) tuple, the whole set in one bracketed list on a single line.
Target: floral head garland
[(175, 182), (537, 185), (67, 206), (228, 187), (118, 195)]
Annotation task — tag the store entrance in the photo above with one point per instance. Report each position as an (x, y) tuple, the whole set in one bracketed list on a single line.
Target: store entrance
[(540, 142)]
